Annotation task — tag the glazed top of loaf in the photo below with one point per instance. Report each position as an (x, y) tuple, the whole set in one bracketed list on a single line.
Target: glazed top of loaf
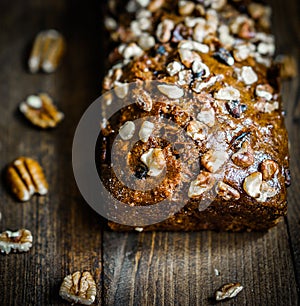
[(215, 61)]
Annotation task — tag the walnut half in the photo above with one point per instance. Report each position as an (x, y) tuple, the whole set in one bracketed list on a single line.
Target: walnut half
[(20, 240), (79, 288)]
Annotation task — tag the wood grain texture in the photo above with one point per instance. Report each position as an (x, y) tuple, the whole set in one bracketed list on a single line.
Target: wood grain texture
[(130, 268)]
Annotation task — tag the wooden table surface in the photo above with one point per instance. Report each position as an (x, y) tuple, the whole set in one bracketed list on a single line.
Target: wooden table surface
[(129, 268)]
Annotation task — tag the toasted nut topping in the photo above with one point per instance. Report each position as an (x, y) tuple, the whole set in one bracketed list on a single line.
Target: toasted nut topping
[(164, 30), (227, 93), (197, 130), (173, 68), (252, 184), (130, 51), (146, 131), (193, 46), (243, 157), (213, 160), (207, 116), (199, 86), (228, 291), (143, 99), (171, 91), (20, 240), (154, 159), (204, 182), (25, 177), (248, 75), (146, 41), (266, 107), (155, 5), (227, 192), (79, 288), (264, 91), (127, 130), (41, 111), (121, 89), (185, 8), (266, 191), (47, 51), (269, 168), (188, 57), (200, 30)]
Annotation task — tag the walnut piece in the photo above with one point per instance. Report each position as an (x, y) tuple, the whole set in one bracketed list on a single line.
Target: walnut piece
[(266, 191), (127, 130), (164, 30), (40, 111), (243, 157), (25, 177), (227, 93), (228, 291), (252, 184), (79, 288), (154, 159), (227, 192), (143, 99), (268, 169), (204, 182), (213, 160), (197, 130), (171, 91), (47, 51), (146, 130), (20, 240)]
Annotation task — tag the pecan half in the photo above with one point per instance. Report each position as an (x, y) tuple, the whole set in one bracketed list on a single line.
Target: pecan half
[(25, 177), (204, 182), (20, 240), (47, 51), (79, 288), (40, 111)]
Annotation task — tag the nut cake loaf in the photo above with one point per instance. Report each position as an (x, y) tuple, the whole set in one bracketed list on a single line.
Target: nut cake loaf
[(211, 61)]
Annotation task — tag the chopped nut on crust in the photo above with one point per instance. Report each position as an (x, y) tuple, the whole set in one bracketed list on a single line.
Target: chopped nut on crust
[(173, 68), (252, 184), (248, 75), (243, 157), (207, 116), (127, 130), (227, 93), (79, 288), (228, 291), (171, 91), (266, 191), (264, 91), (269, 168), (154, 159), (188, 57), (47, 51), (197, 130), (227, 192), (204, 182), (164, 30), (185, 8), (143, 99), (146, 131), (25, 177), (213, 160), (20, 240), (40, 111)]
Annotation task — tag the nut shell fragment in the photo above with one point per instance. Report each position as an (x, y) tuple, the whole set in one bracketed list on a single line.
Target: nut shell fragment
[(40, 111), (20, 240), (25, 177), (79, 288)]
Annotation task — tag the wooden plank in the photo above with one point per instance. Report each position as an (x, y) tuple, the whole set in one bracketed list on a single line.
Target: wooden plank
[(67, 233), (287, 24), (178, 268)]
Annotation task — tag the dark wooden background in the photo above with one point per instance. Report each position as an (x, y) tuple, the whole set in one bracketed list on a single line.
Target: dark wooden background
[(130, 268)]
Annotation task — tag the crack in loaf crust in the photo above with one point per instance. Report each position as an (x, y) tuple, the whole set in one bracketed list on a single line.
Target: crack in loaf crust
[(222, 54)]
